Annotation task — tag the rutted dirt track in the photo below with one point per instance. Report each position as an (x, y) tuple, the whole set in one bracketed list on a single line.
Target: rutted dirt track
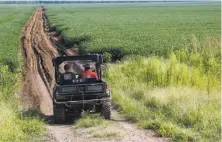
[(38, 51)]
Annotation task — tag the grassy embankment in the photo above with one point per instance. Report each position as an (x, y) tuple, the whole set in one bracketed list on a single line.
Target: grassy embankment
[(175, 88), (15, 126)]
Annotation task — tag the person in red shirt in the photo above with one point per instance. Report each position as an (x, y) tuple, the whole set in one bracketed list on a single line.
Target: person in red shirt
[(88, 73)]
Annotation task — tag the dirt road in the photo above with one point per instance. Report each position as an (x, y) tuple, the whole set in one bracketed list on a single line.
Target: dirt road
[(38, 51)]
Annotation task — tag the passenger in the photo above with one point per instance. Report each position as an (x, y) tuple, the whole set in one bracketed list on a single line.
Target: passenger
[(88, 73), (67, 77)]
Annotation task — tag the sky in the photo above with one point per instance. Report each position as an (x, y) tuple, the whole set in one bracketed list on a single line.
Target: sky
[(110, 0)]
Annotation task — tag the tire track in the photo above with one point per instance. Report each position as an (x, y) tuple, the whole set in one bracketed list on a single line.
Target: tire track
[(39, 76)]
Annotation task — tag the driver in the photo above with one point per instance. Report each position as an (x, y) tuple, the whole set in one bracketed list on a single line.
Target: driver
[(67, 77), (88, 73)]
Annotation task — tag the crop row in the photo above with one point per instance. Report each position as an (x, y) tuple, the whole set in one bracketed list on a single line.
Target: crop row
[(136, 29)]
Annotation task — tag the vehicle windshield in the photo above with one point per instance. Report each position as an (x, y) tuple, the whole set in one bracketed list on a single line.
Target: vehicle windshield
[(77, 66)]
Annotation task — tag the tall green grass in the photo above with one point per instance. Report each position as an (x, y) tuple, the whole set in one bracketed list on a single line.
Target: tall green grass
[(15, 125), (175, 99), (158, 72)]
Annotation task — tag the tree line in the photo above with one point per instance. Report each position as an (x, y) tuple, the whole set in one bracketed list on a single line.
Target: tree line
[(70, 2)]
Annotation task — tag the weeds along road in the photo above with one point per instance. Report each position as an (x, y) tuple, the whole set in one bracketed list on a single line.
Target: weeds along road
[(38, 76)]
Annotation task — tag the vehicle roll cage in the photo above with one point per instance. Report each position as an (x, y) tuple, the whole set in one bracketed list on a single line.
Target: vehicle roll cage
[(97, 58)]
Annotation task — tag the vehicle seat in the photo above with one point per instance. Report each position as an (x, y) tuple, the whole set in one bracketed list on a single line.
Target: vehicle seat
[(67, 78), (92, 80)]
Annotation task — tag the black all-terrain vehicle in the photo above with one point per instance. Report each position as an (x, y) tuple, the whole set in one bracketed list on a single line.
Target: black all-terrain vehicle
[(82, 94)]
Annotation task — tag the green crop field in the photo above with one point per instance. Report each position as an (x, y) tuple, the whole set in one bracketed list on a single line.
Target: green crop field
[(170, 79), (14, 126), (11, 23), (163, 64), (142, 29)]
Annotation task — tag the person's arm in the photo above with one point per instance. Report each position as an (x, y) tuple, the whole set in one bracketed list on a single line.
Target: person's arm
[(95, 75)]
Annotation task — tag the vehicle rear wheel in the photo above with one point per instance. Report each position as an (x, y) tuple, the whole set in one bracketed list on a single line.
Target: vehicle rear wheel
[(59, 113), (106, 110)]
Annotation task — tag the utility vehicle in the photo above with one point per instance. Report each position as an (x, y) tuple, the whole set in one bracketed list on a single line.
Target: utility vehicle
[(89, 94)]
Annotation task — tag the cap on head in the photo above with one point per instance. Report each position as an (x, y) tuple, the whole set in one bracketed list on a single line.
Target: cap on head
[(87, 66)]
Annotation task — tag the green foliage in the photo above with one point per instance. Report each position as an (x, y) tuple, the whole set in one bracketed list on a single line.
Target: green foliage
[(8, 83), (14, 125), (157, 73), (167, 96), (11, 23), (171, 130), (107, 57), (106, 134), (17, 128), (90, 120)]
